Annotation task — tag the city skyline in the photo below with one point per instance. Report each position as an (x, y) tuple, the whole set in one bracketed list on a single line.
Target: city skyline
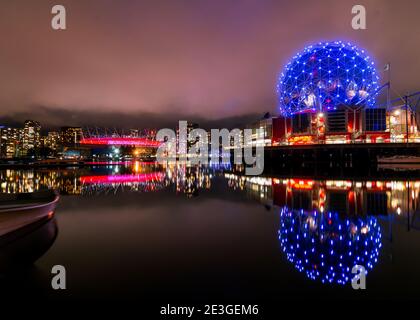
[(157, 63), (27, 139), (209, 157)]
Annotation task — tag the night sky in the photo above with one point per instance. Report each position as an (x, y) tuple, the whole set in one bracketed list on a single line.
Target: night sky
[(150, 63)]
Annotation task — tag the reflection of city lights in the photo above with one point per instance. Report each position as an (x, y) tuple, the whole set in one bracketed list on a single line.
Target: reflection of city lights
[(326, 247), (260, 181), (191, 179), (122, 178), (136, 166)]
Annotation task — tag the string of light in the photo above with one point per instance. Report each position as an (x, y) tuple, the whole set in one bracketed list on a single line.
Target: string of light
[(326, 247), (325, 76)]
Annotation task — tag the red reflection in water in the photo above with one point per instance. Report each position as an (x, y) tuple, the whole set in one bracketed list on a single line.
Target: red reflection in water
[(121, 178), (120, 162), (108, 162)]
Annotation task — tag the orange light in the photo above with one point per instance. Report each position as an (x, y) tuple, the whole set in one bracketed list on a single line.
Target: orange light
[(302, 184), (276, 181), (301, 140)]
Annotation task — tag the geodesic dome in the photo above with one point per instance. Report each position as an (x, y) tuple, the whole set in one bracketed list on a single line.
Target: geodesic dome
[(325, 76), (326, 247)]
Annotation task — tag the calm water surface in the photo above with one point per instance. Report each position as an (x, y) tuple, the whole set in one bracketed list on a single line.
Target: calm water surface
[(181, 233)]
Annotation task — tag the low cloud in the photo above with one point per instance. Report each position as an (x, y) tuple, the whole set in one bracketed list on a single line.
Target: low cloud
[(52, 118)]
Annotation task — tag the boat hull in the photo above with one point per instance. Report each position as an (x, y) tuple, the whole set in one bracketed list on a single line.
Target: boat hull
[(14, 216)]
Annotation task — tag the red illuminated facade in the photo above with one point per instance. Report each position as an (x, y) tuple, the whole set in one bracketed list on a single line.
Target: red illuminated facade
[(346, 126), (124, 141)]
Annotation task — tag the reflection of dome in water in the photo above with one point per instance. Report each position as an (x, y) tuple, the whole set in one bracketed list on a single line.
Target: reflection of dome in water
[(325, 76), (326, 247)]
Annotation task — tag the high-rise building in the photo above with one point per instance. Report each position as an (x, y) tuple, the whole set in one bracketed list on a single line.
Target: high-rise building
[(150, 134), (3, 141), (31, 135), (2, 129), (10, 142), (144, 133), (52, 140), (134, 133), (71, 135), (185, 142)]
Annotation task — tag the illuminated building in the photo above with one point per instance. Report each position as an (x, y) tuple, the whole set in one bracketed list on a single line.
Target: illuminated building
[(10, 139), (134, 133), (120, 141), (2, 142), (327, 95), (31, 135), (185, 142), (71, 135), (262, 131), (52, 140), (150, 134)]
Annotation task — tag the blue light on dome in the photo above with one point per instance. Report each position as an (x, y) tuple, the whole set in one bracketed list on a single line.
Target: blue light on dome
[(325, 76), (326, 247)]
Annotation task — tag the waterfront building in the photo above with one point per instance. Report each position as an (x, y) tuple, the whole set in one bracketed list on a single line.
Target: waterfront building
[(134, 133), (185, 142), (3, 140), (31, 136), (262, 131), (71, 135), (327, 95), (150, 134), (11, 145), (52, 140)]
